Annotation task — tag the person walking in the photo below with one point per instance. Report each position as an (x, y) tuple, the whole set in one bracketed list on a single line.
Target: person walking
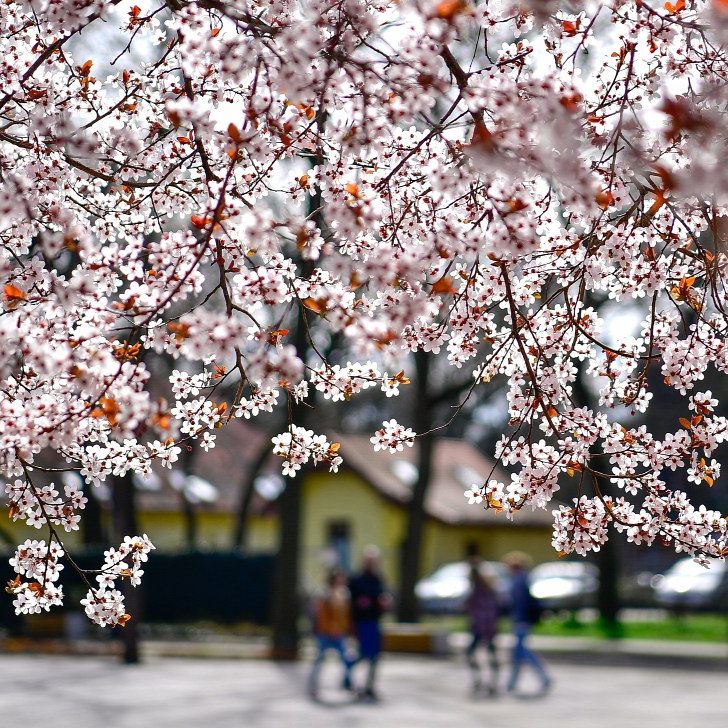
[(525, 612), (368, 604), (483, 608), (332, 624)]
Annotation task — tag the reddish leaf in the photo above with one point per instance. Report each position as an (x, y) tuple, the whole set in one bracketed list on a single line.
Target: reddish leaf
[(234, 133), (200, 221), (13, 293), (443, 286), (448, 9)]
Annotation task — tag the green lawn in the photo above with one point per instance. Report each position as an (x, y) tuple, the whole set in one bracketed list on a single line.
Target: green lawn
[(694, 627)]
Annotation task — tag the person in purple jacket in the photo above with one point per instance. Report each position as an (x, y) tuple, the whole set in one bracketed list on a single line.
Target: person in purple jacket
[(483, 609), (524, 610)]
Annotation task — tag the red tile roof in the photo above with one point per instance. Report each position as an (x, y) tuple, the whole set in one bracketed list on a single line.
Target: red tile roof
[(457, 465)]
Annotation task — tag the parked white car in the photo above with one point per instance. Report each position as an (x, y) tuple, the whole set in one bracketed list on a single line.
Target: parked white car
[(447, 588), (565, 584), (688, 585)]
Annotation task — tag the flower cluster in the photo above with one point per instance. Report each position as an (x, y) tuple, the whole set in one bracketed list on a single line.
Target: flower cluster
[(38, 563), (392, 437), (299, 446), (44, 505), (104, 605)]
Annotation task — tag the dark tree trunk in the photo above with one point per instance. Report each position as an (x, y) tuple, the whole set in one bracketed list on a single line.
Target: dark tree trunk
[(608, 561), (285, 578), (284, 619), (247, 490), (410, 559), (607, 558), (124, 524), (92, 526), (608, 600), (188, 508), (190, 520)]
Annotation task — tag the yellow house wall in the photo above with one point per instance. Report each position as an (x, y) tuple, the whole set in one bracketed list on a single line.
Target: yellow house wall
[(214, 531), (19, 531), (346, 497), (376, 520), (444, 543), (167, 531)]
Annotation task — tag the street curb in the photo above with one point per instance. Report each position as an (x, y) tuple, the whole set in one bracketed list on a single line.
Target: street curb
[(614, 653)]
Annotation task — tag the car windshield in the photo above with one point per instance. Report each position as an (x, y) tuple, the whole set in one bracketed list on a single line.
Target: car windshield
[(461, 570), (451, 571), (563, 570), (688, 567), (492, 569)]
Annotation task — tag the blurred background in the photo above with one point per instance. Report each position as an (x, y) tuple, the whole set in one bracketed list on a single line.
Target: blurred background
[(241, 551)]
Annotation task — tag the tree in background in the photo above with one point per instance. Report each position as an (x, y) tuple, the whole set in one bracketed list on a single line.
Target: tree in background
[(484, 170), (428, 411)]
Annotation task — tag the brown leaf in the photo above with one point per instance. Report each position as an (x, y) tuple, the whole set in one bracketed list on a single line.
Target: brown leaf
[(448, 9), (180, 330), (675, 7), (13, 585), (275, 336), (316, 305), (200, 221), (443, 286), (604, 199), (234, 133), (14, 294), (482, 137), (401, 377)]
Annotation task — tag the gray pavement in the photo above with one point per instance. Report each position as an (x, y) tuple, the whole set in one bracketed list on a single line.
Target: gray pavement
[(96, 692)]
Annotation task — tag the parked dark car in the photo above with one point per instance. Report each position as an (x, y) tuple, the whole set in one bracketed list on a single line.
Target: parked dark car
[(688, 586), (447, 588), (565, 584)]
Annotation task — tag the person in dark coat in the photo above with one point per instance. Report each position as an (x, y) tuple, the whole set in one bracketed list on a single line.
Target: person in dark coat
[(483, 609), (368, 603)]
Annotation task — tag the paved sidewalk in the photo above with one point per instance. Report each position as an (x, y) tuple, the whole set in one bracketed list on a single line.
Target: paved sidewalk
[(92, 692)]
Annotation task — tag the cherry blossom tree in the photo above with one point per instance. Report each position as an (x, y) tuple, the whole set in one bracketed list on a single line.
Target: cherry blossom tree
[(481, 171)]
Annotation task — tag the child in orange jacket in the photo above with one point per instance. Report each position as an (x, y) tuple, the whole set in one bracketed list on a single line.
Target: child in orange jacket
[(332, 624)]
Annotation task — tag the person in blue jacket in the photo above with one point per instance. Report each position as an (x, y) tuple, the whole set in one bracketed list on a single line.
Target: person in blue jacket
[(524, 613)]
